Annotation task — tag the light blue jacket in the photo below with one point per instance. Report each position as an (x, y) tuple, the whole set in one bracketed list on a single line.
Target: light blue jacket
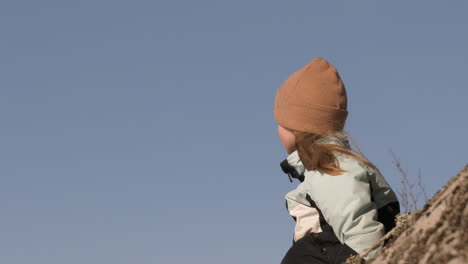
[(359, 204)]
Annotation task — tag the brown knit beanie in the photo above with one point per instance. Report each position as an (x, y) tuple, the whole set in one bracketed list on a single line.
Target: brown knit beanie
[(313, 99)]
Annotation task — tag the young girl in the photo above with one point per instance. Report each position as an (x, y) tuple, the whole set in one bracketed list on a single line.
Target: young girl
[(343, 204)]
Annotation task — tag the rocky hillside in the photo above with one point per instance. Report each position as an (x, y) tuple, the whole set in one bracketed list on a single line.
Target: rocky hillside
[(438, 233)]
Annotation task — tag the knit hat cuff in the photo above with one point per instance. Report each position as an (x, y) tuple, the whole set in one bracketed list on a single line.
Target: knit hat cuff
[(309, 118)]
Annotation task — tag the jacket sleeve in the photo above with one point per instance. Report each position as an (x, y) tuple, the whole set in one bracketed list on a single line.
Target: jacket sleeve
[(307, 218), (346, 205)]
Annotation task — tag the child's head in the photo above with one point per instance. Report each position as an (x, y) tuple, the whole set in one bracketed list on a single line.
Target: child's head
[(311, 104), (313, 99)]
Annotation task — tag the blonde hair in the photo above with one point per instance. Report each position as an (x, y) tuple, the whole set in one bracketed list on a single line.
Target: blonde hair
[(318, 156)]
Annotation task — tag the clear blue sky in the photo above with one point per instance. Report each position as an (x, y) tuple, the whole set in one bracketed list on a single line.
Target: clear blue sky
[(143, 131)]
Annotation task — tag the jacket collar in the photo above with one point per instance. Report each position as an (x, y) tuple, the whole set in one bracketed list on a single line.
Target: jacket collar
[(293, 165)]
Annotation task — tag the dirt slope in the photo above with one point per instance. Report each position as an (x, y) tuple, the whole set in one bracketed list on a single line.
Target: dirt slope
[(438, 233)]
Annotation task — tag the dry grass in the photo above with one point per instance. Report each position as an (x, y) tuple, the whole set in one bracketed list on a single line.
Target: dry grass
[(409, 196)]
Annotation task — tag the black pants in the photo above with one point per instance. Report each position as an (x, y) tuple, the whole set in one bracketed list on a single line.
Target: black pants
[(318, 248)]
